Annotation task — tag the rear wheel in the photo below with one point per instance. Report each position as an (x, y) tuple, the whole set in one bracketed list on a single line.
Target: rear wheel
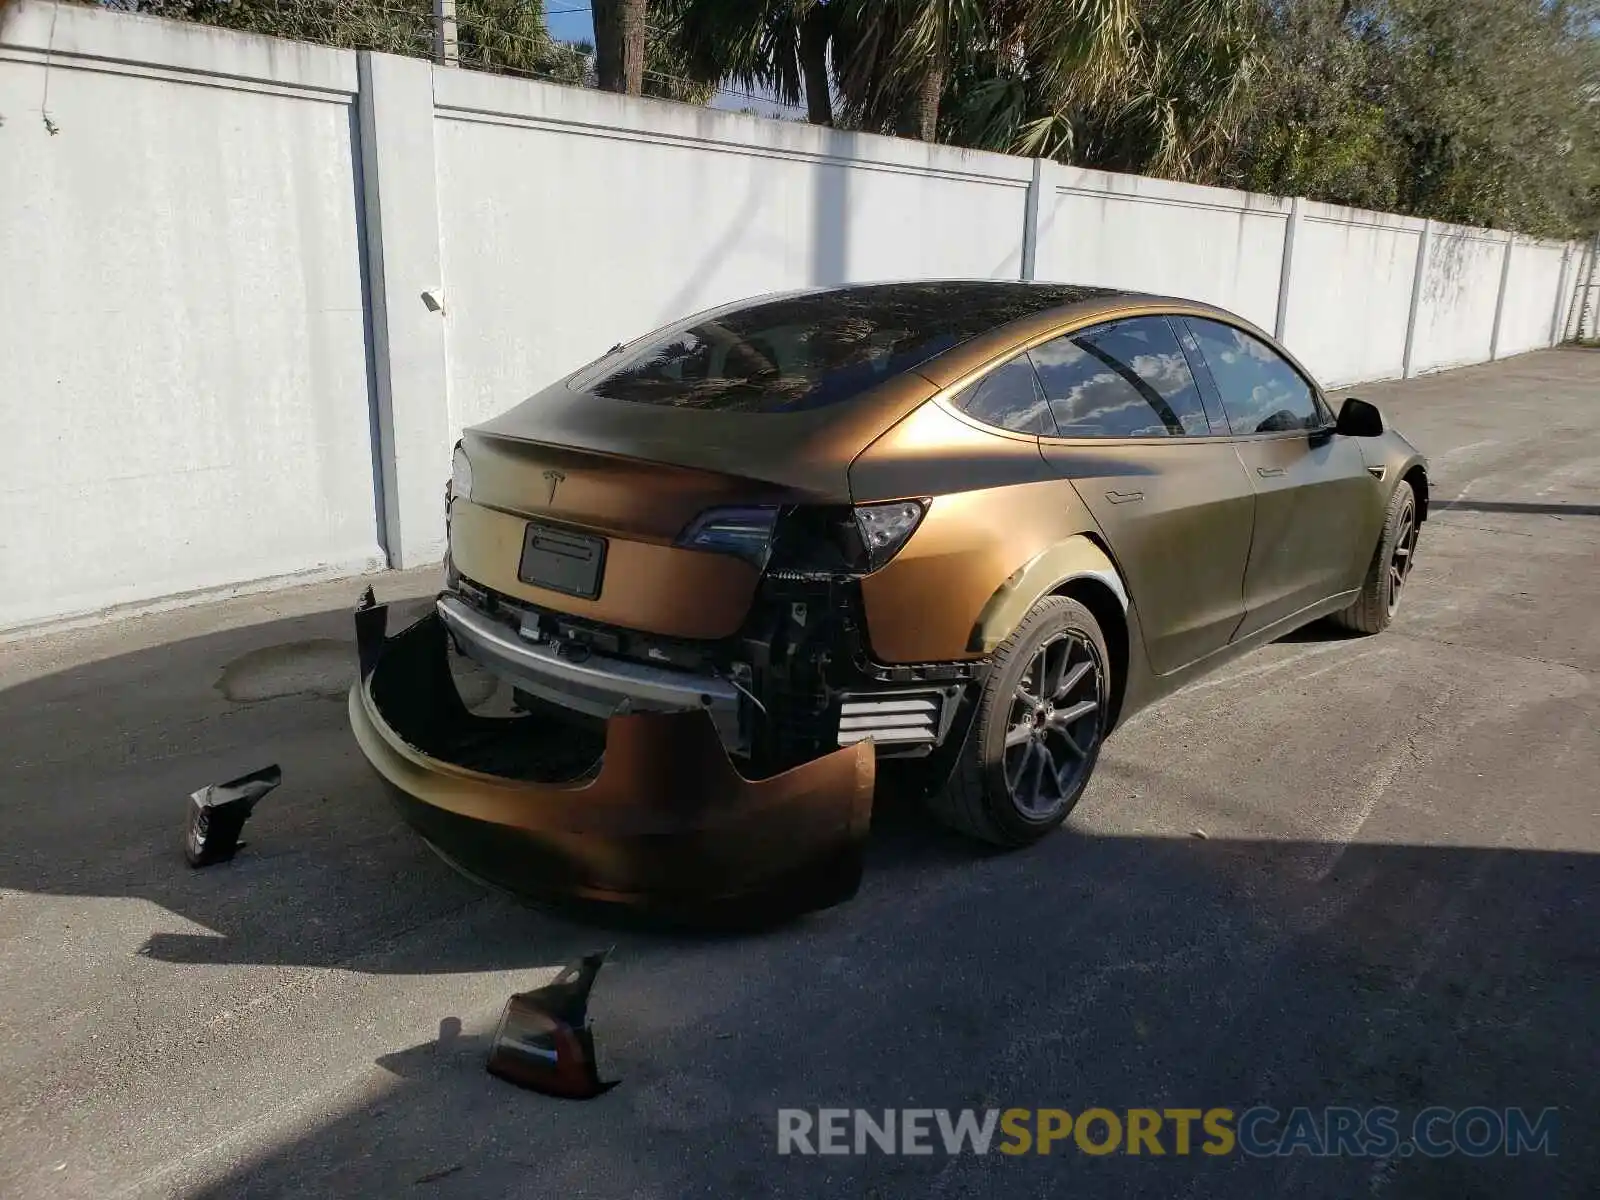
[(1391, 566), (1037, 731)]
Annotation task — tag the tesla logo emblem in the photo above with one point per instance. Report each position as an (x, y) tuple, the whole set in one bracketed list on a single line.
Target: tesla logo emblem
[(553, 478)]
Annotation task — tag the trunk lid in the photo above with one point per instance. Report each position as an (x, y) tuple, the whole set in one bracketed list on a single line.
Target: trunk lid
[(644, 470), (606, 487)]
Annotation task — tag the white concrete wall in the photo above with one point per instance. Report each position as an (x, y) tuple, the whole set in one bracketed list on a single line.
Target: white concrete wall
[(1350, 292), (1459, 294), (1537, 290), (184, 396), (222, 356), (572, 220), (1211, 244)]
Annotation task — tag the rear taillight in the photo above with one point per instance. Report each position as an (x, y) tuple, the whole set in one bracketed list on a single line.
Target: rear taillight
[(742, 532), (886, 527), (831, 539)]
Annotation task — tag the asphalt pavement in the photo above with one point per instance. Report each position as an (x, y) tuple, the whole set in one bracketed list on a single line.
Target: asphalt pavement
[(1343, 871)]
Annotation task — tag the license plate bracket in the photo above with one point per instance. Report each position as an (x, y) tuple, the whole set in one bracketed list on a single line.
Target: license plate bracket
[(562, 561)]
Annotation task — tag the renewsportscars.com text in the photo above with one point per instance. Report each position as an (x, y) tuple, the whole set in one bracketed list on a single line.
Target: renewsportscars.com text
[(1260, 1132)]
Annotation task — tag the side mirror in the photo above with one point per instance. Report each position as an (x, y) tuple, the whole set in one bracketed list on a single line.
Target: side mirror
[(1359, 419)]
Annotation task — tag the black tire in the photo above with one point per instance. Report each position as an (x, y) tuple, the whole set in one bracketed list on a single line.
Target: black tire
[(1391, 566), (1014, 795)]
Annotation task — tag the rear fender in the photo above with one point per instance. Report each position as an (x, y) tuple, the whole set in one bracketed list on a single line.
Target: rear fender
[(1077, 557), (995, 503)]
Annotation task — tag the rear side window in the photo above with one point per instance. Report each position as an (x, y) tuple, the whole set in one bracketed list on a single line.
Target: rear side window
[(1261, 391), (1008, 397), (811, 350), (1125, 379)]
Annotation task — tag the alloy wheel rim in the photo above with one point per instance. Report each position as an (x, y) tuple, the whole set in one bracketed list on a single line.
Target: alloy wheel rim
[(1405, 545), (1054, 725)]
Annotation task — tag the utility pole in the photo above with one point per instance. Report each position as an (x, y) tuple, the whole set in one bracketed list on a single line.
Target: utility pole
[(444, 33)]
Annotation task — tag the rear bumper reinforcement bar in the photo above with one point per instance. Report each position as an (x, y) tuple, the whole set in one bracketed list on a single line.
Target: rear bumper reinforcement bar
[(595, 684)]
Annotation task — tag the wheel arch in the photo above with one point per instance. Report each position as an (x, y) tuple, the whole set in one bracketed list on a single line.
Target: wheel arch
[(1095, 595), (1416, 474), (1079, 567)]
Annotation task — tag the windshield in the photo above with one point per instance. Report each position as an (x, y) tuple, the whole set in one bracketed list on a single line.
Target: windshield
[(808, 351)]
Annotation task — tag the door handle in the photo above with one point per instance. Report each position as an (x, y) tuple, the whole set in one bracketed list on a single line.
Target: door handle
[(1269, 472), (1124, 497)]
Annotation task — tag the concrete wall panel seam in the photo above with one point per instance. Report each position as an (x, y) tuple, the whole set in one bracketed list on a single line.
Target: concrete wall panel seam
[(1174, 202), (86, 32), (1286, 275), (1418, 279), (714, 145), (206, 79), (1030, 222)]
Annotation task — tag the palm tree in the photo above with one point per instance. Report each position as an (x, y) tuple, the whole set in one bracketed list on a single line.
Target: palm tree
[(777, 45), (1179, 106), (1158, 86), (896, 57), (1024, 88), (619, 40), (1005, 74), (1138, 85)]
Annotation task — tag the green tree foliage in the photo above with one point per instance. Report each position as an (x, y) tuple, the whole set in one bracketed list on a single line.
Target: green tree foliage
[(1157, 86), (779, 46), (1478, 111), (896, 58), (511, 36), (1494, 109), (398, 27), (666, 74), (1484, 112), (496, 35), (1318, 127)]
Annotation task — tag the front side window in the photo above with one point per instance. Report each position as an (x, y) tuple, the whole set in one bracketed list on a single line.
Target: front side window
[(1008, 397), (1127, 379), (1261, 391)]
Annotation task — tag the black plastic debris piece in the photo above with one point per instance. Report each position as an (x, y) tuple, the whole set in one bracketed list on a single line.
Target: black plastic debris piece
[(372, 626), (544, 1041), (218, 811)]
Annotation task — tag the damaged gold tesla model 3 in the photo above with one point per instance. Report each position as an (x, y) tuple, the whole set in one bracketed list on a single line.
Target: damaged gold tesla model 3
[(958, 531)]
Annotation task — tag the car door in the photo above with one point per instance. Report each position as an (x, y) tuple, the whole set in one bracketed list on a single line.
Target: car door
[(1131, 432), (1313, 492)]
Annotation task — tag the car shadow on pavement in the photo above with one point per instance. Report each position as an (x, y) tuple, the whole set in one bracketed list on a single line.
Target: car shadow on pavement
[(1318, 631), (1110, 972), (101, 757), (1517, 506), (99, 760), (1090, 970)]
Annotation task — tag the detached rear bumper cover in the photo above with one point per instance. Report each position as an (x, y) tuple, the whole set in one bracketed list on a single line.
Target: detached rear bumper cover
[(664, 819)]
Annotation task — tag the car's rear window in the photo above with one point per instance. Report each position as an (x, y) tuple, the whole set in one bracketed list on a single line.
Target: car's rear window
[(815, 349)]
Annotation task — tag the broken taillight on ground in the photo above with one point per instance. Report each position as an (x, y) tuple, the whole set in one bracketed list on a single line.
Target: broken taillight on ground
[(544, 1041)]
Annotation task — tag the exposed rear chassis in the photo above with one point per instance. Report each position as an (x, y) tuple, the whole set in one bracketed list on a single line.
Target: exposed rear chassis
[(664, 819)]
